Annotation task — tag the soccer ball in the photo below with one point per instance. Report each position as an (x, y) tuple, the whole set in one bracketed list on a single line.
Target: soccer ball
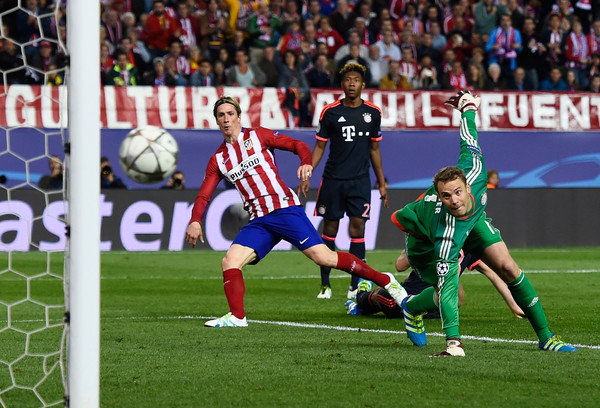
[(148, 154)]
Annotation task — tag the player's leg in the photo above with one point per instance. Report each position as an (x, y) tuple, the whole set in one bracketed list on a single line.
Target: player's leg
[(252, 243), (329, 205), (330, 229), (486, 238), (358, 206), (357, 248)]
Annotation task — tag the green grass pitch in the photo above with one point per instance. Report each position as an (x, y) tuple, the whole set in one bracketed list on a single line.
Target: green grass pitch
[(299, 351)]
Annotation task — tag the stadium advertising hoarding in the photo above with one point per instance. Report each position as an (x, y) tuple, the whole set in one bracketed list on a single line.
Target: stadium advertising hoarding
[(191, 108), (151, 220)]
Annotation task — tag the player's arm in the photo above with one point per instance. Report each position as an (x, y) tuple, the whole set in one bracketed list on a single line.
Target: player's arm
[(502, 288), (378, 168), (211, 179), (317, 155)]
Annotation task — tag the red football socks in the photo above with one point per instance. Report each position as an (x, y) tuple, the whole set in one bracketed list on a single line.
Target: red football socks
[(233, 283), (351, 264)]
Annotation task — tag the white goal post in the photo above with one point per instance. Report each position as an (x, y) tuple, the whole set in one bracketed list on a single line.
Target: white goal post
[(83, 194)]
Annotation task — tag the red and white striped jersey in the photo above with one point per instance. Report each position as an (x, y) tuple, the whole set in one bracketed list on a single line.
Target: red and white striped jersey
[(249, 164)]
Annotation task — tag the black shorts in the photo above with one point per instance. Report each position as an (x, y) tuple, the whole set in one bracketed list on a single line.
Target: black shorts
[(337, 197)]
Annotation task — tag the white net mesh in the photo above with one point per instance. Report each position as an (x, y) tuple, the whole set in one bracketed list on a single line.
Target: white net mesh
[(32, 207)]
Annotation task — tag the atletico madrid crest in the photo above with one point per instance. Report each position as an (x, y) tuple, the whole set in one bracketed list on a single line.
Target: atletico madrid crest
[(248, 144)]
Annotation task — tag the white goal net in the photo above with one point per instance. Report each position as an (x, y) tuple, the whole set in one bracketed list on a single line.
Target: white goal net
[(32, 206)]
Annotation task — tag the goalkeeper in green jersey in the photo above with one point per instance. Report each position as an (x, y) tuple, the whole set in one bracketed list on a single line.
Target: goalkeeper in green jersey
[(447, 217)]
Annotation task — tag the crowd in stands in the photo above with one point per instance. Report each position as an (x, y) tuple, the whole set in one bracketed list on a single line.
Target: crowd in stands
[(300, 44)]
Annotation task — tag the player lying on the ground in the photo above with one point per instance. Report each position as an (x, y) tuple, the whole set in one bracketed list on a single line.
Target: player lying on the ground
[(370, 301), (246, 159), (451, 216)]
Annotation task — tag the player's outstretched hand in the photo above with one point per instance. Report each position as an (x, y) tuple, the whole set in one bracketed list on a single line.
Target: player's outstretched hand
[(193, 232), (303, 187), (463, 101), (304, 172)]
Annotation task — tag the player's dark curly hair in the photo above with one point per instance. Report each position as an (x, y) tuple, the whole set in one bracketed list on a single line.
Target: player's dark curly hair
[(353, 67), (448, 174)]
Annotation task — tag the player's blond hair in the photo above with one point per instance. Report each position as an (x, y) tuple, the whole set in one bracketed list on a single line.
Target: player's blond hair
[(227, 99), (353, 67)]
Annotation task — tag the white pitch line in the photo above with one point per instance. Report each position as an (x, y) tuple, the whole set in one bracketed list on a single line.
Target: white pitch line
[(360, 329)]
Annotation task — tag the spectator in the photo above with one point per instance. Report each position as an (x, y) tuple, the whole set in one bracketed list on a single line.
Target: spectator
[(367, 35), (344, 50), (123, 73), (291, 72), (319, 76), (583, 12), (387, 49), (314, 11), (213, 30), (554, 81), (571, 80), (519, 80), (387, 25), (182, 65), (237, 42), (161, 29), (245, 10), (27, 27), (190, 29), (503, 45), (594, 84), (462, 49), (225, 57), (432, 14), (438, 39), (263, 30), (475, 77), (329, 36), (107, 178), (533, 53), (427, 74), (291, 13), (377, 66), (106, 63), (138, 46), (426, 48), (278, 11), (175, 182), (171, 69), (408, 66), (203, 76), (244, 74), (594, 37), (194, 58), (516, 14), (40, 62), (54, 180), (220, 73), (135, 58), (487, 15), (309, 45), (157, 76), (449, 58), (458, 12), (577, 54), (394, 80), (292, 40), (493, 179), (368, 14), (52, 76), (410, 15), (455, 79), (554, 41), (594, 65), (269, 65), (112, 25), (342, 19), (496, 82)]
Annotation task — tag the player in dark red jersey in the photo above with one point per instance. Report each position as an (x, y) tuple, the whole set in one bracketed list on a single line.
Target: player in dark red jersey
[(353, 126), (246, 160)]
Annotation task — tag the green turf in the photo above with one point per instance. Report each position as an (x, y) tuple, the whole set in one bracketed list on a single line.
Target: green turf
[(156, 352)]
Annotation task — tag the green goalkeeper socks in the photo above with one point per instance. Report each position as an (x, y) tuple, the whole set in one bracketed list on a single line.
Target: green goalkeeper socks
[(525, 296)]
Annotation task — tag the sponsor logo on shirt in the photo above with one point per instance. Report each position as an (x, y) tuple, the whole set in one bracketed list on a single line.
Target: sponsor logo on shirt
[(238, 171), (430, 198)]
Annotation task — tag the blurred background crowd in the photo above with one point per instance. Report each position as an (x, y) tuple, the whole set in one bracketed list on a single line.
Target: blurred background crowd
[(444, 44)]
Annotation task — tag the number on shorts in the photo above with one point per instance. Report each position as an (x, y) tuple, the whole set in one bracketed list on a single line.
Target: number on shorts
[(367, 209)]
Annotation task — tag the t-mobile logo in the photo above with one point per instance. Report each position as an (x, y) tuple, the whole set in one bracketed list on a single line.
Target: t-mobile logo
[(348, 132)]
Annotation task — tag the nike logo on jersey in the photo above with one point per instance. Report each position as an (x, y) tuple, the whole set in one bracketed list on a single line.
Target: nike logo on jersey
[(342, 119), (226, 160), (304, 240)]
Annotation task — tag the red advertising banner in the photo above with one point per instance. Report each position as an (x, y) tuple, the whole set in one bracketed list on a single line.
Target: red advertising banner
[(191, 108)]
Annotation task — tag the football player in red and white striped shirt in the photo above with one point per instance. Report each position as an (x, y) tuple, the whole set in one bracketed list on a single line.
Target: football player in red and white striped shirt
[(246, 159)]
